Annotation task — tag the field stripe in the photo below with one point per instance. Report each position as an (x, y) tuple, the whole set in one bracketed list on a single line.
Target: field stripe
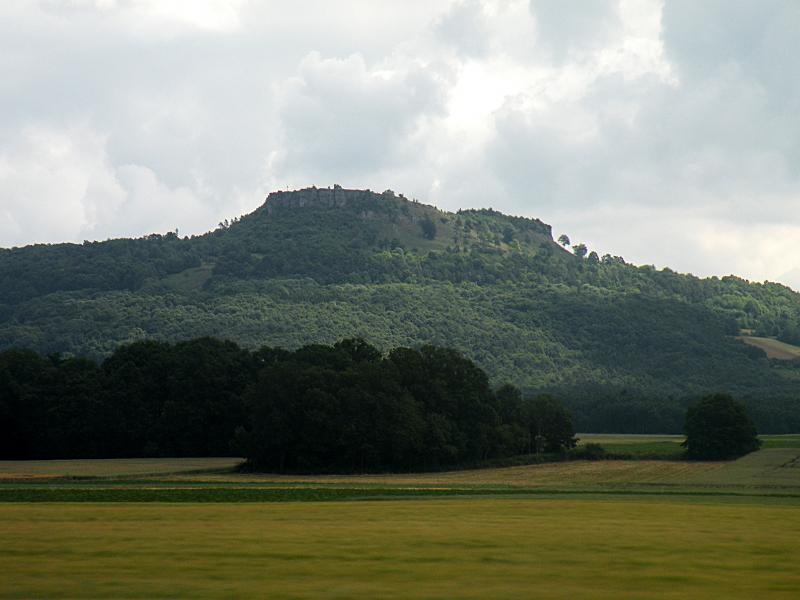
[(307, 494)]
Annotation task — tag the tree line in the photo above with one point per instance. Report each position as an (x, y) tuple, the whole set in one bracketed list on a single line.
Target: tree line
[(344, 406)]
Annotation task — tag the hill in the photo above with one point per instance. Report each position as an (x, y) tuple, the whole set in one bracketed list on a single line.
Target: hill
[(626, 346)]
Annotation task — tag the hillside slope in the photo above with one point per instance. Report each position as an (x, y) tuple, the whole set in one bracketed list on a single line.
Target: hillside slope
[(626, 346)]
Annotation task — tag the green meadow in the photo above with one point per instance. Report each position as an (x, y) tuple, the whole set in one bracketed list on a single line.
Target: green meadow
[(466, 548), (162, 528)]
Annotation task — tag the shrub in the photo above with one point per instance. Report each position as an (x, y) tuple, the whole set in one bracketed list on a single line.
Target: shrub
[(589, 452)]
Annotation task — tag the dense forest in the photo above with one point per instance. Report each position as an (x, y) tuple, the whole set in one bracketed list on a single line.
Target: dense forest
[(340, 407), (626, 346)]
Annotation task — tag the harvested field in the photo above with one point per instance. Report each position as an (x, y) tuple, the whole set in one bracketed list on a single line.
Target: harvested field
[(116, 467)]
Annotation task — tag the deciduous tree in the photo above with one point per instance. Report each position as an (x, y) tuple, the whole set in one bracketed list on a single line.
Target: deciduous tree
[(718, 428)]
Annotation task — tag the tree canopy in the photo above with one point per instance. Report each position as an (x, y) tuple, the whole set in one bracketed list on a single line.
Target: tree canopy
[(718, 428), (345, 406)]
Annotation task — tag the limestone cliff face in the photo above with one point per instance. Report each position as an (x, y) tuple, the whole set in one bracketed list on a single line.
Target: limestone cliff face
[(321, 198), (367, 205)]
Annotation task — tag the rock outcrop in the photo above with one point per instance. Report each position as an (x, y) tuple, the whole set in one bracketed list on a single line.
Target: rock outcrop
[(314, 197)]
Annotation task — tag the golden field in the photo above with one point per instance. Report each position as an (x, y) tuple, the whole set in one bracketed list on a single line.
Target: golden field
[(161, 528), (466, 548)]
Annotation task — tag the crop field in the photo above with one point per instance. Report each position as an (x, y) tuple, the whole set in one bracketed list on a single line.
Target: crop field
[(770, 468), (552, 476), (161, 528), (117, 467), (466, 548)]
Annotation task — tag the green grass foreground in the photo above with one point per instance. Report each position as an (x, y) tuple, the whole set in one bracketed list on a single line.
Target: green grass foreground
[(465, 548), (165, 528)]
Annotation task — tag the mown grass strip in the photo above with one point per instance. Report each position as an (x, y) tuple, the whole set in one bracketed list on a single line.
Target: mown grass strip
[(243, 495), (227, 494)]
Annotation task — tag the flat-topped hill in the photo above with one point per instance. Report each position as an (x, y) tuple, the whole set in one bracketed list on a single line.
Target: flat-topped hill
[(627, 346)]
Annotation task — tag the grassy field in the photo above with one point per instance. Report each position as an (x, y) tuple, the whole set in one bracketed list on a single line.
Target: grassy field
[(465, 548), (770, 468), (765, 472), (657, 447), (772, 347), (579, 472), (780, 441), (665, 446), (605, 529), (117, 467), (554, 476)]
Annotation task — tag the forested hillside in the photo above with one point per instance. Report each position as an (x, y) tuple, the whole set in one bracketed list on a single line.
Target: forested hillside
[(625, 346)]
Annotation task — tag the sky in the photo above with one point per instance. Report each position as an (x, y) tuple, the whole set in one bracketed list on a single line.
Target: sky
[(664, 132)]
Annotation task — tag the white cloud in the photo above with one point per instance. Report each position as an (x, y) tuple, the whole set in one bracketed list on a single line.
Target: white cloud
[(43, 182), (157, 17), (61, 185), (341, 117), (668, 134), (567, 30), (464, 27)]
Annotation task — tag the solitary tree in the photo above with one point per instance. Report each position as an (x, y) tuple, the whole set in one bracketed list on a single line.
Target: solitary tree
[(428, 228), (563, 239), (718, 428), (580, 250)]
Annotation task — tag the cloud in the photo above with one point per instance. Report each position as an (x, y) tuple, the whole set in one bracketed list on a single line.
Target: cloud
[(155, 17), (673, 149), (575, 27), (662, 131), (464, 27), (176, 89), (62, 185), (341, 117), (703, 36), (44, 180)]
